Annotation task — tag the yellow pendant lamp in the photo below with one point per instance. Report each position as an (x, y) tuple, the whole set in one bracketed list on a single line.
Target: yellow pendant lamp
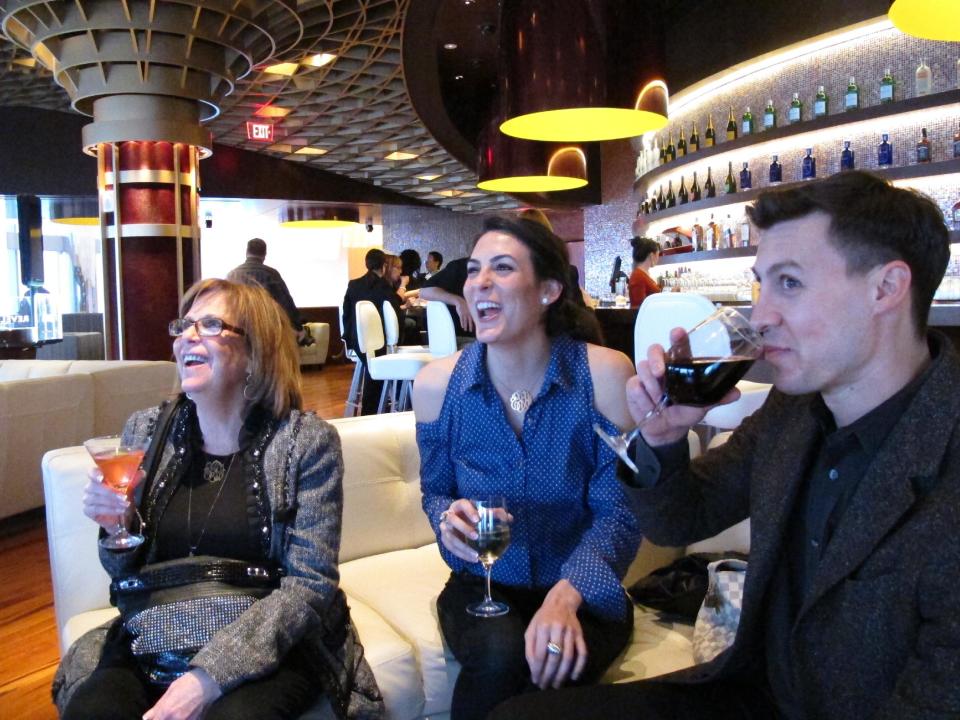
[(506, 164), (928, 19)]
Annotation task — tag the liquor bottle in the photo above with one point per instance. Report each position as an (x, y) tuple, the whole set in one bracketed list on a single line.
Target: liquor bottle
[(671, 198), (731, 127), (671, 151), (795, 114), (956, 144), (808, 166), (821, 103), (851, 100), (661, 201), (694, 144), (663, 155), (776, 171), (886, 87), (847, 158), (955, 214), (682, 196), (923, 147), (696, 236), (769, 116), (744, 230), (708, 187), (924, 78), (746, 177), (729, 185), (746, 122), (885, 152), (710, 135), (711, 236), (681, 145), (695, 188), (729, 235)]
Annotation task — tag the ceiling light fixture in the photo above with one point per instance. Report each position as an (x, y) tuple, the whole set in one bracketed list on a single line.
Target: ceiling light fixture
[(307, 150), (75, 211), (272, 111), (427, 178), (401, 155), (320, 59), (316, 216), (928, 19), (576, 99), (450, 46), (506, 164), (287, 68)]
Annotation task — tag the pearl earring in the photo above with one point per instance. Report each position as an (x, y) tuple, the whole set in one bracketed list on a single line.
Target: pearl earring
[(544, 300)]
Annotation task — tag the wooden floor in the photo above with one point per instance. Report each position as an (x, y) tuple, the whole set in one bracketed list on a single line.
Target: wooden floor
[(28, 635)]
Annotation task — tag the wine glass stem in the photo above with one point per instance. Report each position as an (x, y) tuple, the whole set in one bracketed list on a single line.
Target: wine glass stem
[(488, 569), (651, 413)]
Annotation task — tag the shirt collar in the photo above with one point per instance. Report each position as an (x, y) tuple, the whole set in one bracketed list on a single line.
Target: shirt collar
[(558, 371)]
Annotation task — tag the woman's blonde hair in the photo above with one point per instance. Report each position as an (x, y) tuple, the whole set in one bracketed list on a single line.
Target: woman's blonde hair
[(274, 380)]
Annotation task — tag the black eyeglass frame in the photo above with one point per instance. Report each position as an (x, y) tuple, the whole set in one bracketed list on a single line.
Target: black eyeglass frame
[(178, 327)]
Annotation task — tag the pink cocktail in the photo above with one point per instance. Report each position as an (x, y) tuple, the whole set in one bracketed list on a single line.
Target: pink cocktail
[(120, 465)]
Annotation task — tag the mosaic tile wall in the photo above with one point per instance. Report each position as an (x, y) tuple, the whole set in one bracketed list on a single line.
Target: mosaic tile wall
[(424, 229), (607, 228)]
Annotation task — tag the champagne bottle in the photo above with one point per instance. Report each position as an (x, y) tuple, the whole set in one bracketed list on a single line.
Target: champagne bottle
[(694, 144), (796, 109), (708, 187), (886, 87), (923, 147), (682, 196), (663, 154), (695, 188), (681, 145), (769, 116), (808, 166), (746, 122), (710, 135), (671, 198), (661, 200), (730, 185), (885, 152), (851, 100), (924, 77), (731, 127), (847, 159), (746, 177), (671, 149), (776, 171), (956, 146), (821, 103)]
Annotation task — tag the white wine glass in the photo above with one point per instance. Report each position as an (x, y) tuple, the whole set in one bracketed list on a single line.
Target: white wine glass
[(713, 357), (493, 539)]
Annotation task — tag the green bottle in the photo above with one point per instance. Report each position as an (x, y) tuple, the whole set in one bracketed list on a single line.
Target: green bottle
[(821, 103), (730, 185), (886, 87), (769, 116), (851, 100), (746, 122), (795, 114)]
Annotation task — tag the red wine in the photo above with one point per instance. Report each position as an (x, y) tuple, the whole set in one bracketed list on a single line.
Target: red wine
[(490, 545), (704, 381)]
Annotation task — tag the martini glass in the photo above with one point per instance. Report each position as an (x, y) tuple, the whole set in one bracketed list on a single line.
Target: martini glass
[(120, 465)]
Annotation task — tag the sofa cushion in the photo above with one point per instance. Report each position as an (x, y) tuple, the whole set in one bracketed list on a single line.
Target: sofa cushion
[(402, 586), (657, 647), (23, 369), (120, 388)]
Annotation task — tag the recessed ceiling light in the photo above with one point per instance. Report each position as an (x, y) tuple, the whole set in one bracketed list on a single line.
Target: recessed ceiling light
[(458, 77), (272, 111), (450, 46), (307, 150), (400, 155), (320, 59), (282, 68), (427, 178)]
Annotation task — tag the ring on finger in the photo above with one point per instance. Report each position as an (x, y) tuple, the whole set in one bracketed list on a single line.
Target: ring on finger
[(554, 648)]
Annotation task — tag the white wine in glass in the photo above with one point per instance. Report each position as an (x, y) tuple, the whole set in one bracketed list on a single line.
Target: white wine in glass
[(493, 539)]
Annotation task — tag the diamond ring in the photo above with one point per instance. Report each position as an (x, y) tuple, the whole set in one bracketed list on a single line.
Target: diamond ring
[(554, 648)]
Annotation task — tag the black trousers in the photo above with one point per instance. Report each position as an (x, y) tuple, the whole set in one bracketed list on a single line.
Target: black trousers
[(119, 690), (370, 400), (491, 650), (644, 700)]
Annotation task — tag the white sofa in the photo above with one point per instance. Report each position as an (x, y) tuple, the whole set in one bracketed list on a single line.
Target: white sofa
[(46, 404), (316, 354), (390, 570)]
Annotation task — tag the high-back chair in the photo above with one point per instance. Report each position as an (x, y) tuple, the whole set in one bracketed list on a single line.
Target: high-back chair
[(441, 334), (352, 407), (392, 369), (391, 332)]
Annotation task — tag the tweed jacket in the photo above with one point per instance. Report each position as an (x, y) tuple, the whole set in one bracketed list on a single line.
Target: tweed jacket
[(302, 478), (878, 635)]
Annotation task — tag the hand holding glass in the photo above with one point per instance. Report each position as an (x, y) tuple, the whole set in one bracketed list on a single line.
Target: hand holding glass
[(713, 357), (493, 539), (120, 465)]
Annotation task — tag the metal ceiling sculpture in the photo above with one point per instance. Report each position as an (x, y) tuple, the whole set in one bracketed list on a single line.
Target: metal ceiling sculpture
[(336, 96)]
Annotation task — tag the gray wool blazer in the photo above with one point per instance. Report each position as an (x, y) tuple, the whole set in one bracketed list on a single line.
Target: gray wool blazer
[(878, 636)]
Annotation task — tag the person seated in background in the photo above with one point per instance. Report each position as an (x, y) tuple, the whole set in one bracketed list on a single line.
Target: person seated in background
[(253, 271), (434, 262), (446, 286), (512, 415), (243, 474), (849, 473), (372, 286), (646, 254), (410, 276)]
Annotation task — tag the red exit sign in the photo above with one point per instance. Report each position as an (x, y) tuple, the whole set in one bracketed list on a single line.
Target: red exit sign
[(259, 131)]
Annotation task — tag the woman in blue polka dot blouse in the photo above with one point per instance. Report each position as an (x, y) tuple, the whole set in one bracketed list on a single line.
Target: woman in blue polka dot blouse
[(512, 415)]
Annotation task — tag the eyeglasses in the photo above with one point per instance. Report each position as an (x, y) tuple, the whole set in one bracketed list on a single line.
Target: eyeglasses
[(208, 326)]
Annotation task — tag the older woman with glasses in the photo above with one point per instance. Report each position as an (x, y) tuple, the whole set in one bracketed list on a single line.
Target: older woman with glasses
[(244, 479)]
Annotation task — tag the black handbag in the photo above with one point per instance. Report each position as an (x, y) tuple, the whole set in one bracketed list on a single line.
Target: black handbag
[(679, 588)]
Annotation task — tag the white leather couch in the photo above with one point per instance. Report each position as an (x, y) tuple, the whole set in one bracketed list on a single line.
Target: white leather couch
[(46, 404), (316, 354), (390, 570)]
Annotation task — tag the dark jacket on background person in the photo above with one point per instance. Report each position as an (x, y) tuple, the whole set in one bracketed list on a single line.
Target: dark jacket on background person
[(878, 634), (255, 272), (370, 287), (451, 278)]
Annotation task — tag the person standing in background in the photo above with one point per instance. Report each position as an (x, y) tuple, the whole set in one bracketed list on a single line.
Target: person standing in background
[(646, 254)]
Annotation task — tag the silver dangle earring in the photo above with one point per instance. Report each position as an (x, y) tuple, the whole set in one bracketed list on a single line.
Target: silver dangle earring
[(246, 388)]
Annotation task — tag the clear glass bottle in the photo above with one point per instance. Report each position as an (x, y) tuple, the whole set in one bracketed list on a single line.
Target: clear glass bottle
[(923, 147), (847, 157), (729, 234), (711, 239), (696, 236), (769, 116), (851, 99), (746, 177), (745, 236), (746, 122), (885, 152), (821, 103), (775, 176), (886, 87), (808, 166), (924, 78), (795, 114)]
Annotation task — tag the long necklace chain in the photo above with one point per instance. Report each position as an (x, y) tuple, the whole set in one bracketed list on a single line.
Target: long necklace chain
[(212, 472)]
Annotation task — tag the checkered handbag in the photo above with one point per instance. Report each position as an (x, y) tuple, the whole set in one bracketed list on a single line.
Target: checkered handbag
[(719, 616)]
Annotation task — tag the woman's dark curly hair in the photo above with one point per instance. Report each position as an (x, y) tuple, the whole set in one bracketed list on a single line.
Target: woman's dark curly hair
[(567, 315)]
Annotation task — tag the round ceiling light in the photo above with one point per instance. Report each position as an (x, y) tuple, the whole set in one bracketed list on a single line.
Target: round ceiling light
[(929, 19), (319, 217)]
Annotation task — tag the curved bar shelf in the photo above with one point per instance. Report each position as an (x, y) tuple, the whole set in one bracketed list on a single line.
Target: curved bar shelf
[(874, 112)]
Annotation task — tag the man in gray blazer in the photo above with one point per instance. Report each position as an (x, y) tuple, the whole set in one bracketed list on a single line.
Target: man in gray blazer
[(850, 473)]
